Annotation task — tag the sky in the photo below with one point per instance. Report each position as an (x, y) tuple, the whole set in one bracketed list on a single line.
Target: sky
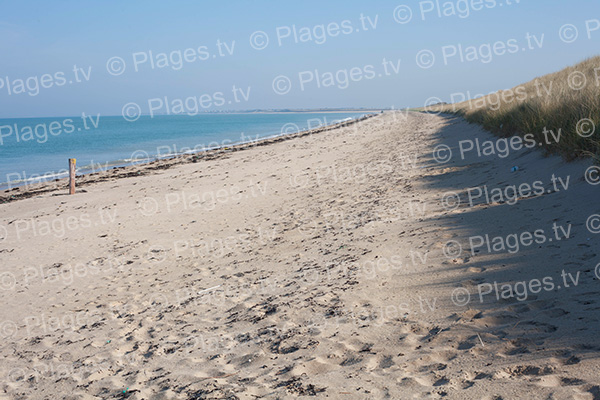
[(64, 58)]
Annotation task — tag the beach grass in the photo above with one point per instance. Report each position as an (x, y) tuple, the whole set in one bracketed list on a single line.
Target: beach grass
[(565, 102)]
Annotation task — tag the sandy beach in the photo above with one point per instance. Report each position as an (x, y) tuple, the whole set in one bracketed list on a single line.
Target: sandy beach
[(386, 259)]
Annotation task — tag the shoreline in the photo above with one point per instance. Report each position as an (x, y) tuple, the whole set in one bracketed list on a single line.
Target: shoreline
[(25, 190)]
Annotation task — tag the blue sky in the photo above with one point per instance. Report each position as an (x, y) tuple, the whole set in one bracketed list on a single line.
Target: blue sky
[(40, 38)]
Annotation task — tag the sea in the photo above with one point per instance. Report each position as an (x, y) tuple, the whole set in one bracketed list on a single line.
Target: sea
[(35, 150)]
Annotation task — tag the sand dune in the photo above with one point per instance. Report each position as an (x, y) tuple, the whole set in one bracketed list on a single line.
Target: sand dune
[(318, 266)]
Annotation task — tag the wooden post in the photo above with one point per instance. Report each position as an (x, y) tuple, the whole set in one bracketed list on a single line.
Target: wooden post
[(72, 162)]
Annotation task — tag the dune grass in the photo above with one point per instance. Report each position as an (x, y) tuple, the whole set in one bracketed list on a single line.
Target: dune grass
[(567, 101)]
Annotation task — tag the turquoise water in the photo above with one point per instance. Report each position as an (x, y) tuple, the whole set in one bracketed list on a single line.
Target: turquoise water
[(37, 149)]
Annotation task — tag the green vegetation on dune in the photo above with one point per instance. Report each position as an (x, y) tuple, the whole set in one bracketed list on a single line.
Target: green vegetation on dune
[(567, 101)]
